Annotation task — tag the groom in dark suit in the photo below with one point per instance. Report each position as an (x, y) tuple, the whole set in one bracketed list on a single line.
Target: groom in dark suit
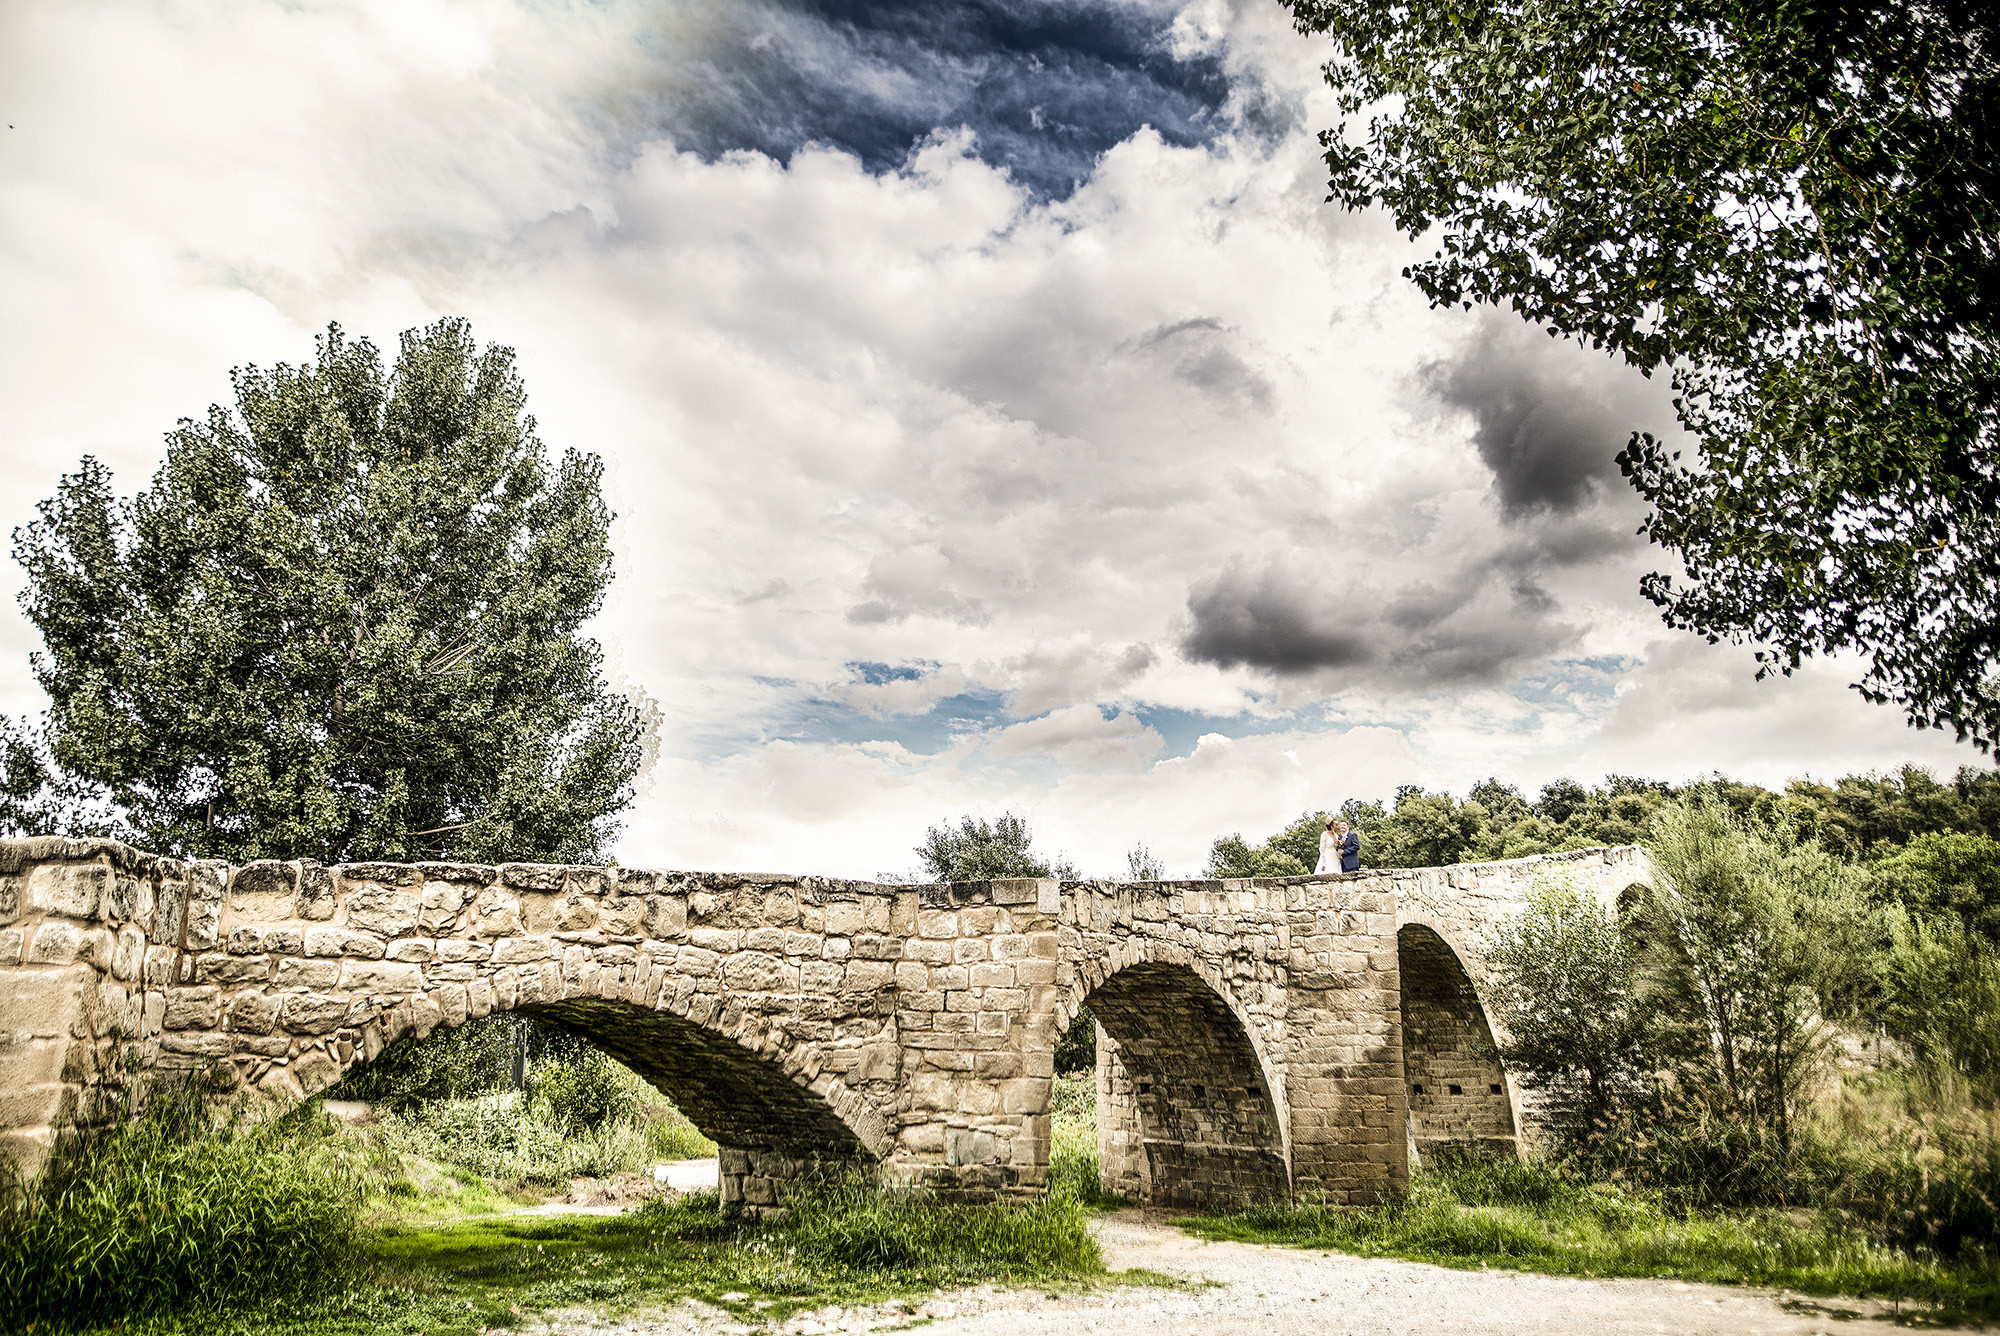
[(1350, 847)]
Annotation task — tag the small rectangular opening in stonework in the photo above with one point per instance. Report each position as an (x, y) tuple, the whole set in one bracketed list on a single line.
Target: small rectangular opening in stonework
[(1458, 1090), (1416, 1090), (1145, 1087), (1495, 1087), (1200, 1092)]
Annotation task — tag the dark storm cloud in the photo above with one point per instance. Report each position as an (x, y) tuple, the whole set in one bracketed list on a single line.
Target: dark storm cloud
[(1549, 419), (1484, 623), (1046, 86)]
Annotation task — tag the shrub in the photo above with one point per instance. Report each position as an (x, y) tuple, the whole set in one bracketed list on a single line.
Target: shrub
[(852, 1223), (583, 1089), (1076, 1051), (180, 1205), (512, 1140)]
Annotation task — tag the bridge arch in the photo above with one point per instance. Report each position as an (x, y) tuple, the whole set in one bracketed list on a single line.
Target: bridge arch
[(1455, 1089), (1190, 1110), (746, 1078)]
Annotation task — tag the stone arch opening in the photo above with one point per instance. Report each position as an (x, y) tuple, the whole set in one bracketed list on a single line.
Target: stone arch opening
[(1456, 1091), (1186, 1113), (748, 1092)]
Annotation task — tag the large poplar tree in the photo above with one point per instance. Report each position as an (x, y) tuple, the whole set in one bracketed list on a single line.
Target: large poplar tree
[(342, 622), (1790, 206)]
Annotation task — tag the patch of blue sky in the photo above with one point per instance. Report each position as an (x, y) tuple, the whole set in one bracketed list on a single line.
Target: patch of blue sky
[(1585, 684), (820, 720), (1180, 730), (1046, 86)]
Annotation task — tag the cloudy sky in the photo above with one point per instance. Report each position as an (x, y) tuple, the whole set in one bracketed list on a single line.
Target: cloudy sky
[(996, 416)]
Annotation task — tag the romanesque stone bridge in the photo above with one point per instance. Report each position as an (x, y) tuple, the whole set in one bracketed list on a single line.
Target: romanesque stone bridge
[(1256, 1037)]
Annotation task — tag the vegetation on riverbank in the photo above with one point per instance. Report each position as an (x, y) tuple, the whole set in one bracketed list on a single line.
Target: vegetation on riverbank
[(1530, 1215), (184, 1220)]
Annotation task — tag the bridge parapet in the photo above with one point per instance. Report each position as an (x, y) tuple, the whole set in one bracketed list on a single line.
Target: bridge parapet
[(1251, 1031)]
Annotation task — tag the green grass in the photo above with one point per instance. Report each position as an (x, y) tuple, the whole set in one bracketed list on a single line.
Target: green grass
[(846, 1244), (1073, 1166), (1525, 1215), (179, 1206)]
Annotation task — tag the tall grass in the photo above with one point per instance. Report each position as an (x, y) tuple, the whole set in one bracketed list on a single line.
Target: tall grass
[(1466, 1209), (1073, 1163), (451, 1098), (180, 1206), (851, 1227), (908, 1232)]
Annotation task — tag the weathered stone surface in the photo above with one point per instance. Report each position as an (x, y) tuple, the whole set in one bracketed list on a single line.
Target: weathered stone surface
[(1301, 1034)]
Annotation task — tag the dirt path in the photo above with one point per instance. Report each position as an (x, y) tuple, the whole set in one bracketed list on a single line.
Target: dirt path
[(1260, 1291)]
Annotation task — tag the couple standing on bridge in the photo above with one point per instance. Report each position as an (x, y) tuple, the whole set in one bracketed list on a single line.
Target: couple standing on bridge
[(1339, 848)]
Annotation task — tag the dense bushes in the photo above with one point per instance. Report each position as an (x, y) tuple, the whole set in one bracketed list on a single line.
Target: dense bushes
[(182, 1205), (1682, 1047)]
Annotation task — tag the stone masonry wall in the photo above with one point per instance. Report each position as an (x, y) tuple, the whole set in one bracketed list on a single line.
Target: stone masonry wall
[(1253, 1030), (1457, 1092)]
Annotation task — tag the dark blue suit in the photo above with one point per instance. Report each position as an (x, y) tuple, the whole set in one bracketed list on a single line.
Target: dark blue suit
[(1350, 852)]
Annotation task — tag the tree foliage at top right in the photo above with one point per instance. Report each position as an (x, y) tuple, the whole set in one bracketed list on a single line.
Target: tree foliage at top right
[(1792, 207)]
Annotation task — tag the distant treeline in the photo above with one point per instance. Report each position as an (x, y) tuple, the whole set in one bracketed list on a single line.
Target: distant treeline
[(1920, 836)]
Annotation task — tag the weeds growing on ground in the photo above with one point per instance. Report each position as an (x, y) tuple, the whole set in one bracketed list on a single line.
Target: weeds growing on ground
[(1467, 1210), (1073, 1165), (179, 1206), (845, 1244)]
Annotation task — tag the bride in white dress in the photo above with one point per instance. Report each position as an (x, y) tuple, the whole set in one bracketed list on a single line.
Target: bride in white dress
[(1329, 850)]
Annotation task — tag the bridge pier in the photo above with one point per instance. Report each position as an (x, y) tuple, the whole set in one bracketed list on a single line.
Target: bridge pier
[(1256, 1035)]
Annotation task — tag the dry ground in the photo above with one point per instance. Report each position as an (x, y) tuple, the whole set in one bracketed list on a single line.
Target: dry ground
[(1262, 1291)]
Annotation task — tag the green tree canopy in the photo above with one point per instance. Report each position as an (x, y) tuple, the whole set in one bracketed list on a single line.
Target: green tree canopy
[(343, 621), (1563, 993), (1795, 210), (978, 850)]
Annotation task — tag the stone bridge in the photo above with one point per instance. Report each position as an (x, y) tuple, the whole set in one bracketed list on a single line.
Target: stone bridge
[(1256, 1037)]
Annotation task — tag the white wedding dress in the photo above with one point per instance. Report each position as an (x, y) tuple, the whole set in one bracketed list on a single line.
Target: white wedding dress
[(1329, 853)]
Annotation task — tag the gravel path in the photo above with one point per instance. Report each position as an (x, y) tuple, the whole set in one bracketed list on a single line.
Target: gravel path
[(1286, 1291)]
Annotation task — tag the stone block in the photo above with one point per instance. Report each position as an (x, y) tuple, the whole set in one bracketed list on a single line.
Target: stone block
[(575, 913), (226, 969), (993, 976), (377, 977), (253, 1013), (424, 1015), (56, 942), (74, 890), (316, 895), (495, 912), (194, 1008), (327, 941), (722, 941), (197, 1043), (450, 999), (314, 1071), (443, 905), (416, 950), (316, 975), (522, 950), (622, 915), (754, 971), (264, 891), (666, 916), (311, 1013), (869, 976), (13, 943), (383, 911)]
